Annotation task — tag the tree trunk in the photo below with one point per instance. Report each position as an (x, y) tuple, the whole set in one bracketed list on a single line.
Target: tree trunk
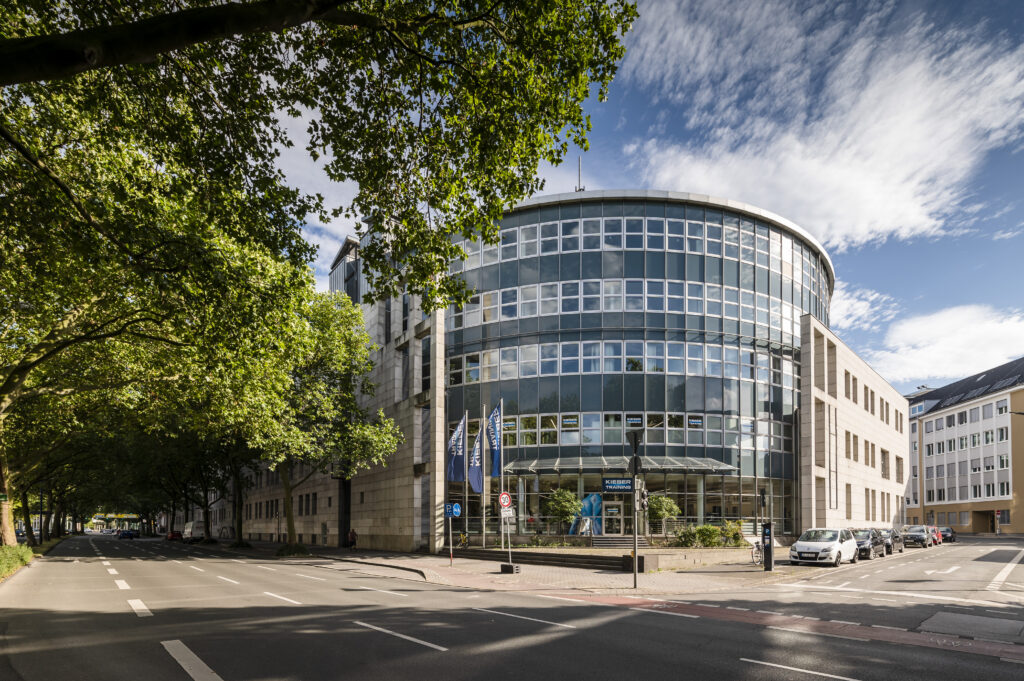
[(174, 514), (239, 504), (44, 517), (289, 511), (7, 534), (26, 514)]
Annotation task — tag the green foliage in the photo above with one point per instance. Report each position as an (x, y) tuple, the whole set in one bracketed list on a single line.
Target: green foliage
[(687, 536), (13, 557), (732, 533), (563, 505), (709, 535), (660, 507)]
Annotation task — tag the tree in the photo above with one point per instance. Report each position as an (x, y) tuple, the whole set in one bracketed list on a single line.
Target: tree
[(563, 505), (324, 422), (660, 507), (439, 113)]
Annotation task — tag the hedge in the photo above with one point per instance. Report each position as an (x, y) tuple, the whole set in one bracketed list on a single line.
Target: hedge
[(12, 558)]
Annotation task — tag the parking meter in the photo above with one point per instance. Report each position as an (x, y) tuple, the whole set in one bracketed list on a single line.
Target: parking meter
[(766, 544)]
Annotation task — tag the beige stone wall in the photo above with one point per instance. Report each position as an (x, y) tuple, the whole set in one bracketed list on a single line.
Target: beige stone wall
[(852, 431)]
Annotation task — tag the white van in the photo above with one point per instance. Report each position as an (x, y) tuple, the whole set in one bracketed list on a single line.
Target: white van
[(193, 532)]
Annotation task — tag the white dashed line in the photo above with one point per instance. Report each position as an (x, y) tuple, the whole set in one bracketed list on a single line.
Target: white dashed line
[(882, 626), (264, 567), (319, 579), (140, 608), (402, 636), (282, 598), (227, 580), (121, 584), (667, 612), (393, 593), (111, 571), (845, 622), (531, 619), (796, 669), (190, 662), (197, 568)]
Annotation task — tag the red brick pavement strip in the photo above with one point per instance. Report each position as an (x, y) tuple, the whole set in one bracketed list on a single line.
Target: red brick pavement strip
[(859, 632)]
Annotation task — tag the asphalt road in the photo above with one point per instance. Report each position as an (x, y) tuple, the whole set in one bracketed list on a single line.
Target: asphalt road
[(100, 608)]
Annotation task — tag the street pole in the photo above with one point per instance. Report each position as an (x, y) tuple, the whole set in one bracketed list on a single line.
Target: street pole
[(634, 437)]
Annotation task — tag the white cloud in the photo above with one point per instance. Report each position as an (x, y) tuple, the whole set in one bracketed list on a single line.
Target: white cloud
[(1007, 234), (303, 173), (860, 309), (949, 344), (858, 124)]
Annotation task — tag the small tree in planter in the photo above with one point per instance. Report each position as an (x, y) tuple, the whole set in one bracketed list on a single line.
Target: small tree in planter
[(660, 507), (563, 506)]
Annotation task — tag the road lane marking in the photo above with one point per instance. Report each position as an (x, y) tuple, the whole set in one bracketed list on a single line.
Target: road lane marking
[(667, 612), (176, 561), (264, 567), (842, 585), (845, 622), (708, 605), (238, 561), (282, 598), (190, 662), (882, 626), (319, 579), (817, 633), (769, 612), (903, 594), (796, 669), (407, 638), (1007, 659), (531, 619), (997, 583), (733, 607), (562, 598), (197, 568), (121, 584), (227, 580), (111, 571), (393, 593), (140, 608)]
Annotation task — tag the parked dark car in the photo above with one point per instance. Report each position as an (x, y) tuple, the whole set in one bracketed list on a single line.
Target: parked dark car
[(948, 534), (126, 534), (893, 541), (869, 543), (917, 535), (173, 535)]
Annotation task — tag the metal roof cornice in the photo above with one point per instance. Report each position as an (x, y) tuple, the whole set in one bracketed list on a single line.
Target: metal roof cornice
[(705, 199)]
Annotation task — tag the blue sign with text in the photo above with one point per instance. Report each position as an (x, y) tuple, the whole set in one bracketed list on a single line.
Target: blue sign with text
[(613, 485), (452, 510)]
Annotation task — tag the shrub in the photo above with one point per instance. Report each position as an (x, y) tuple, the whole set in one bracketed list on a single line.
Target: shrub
[(686, 536), (732, 533), (709, 535), (13, 557)]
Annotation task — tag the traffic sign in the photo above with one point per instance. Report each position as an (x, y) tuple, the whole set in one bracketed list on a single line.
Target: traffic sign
[(508, 512), (456, 510), (505, 499), (3, 497), (448, 512)]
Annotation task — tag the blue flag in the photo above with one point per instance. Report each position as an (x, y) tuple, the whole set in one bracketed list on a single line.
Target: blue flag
[(476, 465), (457, 454), (494, 440)]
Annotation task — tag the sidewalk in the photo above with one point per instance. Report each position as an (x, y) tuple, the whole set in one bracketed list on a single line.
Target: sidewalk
[(486, 574)]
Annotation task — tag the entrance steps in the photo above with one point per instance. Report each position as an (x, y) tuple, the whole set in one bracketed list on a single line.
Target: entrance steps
[(618, 542)]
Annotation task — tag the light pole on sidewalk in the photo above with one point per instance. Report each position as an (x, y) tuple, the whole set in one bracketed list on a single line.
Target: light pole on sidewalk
[(635, 468)]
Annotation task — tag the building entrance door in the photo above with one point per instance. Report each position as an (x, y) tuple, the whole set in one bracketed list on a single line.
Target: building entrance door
[(613, 517)]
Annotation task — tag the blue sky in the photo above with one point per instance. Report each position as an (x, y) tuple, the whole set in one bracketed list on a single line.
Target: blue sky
[(892, 131)]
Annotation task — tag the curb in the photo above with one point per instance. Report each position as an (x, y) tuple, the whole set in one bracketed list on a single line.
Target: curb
[(358, 561)]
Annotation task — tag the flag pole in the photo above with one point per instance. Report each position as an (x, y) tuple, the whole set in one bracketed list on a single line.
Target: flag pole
[(465, 474), (486, 484)]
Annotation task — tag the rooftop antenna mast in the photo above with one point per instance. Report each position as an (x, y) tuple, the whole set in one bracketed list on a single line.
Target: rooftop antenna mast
[(579, 174)]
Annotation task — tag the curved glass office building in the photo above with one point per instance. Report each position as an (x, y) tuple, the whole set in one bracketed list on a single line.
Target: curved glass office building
[(603, 312)]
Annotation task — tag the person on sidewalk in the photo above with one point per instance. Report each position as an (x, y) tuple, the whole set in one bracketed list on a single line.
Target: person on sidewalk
[(353, 536)]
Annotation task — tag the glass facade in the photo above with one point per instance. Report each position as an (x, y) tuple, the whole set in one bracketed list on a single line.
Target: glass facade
[(593, 317)]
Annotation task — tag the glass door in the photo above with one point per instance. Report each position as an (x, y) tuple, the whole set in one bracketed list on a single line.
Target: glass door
[(613, 517)]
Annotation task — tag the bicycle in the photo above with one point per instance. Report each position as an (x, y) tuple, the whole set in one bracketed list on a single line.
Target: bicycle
[(463, 541), (757, 554)]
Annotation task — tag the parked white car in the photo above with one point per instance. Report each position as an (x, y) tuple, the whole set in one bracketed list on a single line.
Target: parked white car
[(828, 545)]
